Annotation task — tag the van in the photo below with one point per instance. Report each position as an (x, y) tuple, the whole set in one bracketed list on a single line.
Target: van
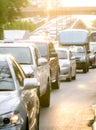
[(77, 40)]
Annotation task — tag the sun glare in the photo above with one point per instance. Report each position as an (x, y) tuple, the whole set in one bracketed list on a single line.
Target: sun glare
[(71, 3)]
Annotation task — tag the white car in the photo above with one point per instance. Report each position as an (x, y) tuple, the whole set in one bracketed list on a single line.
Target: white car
[(67, 64)]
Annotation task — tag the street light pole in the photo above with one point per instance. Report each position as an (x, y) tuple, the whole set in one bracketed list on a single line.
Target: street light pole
[(56, 22)]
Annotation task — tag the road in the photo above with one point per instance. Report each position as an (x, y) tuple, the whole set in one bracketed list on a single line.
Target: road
[(72, 106)]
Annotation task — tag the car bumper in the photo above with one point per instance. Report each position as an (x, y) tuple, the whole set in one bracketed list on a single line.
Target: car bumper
[(64, 73), (80, 65), (11, 128)]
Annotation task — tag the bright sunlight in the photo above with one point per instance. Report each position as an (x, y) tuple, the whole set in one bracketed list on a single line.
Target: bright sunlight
[(71, 3)]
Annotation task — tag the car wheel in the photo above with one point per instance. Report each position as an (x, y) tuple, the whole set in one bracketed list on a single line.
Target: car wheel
[(74, 77), (55, 85), (37, 123), (88, 68), (85, 69), (70, 77), (45, 99), (27, 125)]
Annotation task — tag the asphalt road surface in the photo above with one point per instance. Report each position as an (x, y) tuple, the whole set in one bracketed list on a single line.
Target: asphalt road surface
[(72, 106)]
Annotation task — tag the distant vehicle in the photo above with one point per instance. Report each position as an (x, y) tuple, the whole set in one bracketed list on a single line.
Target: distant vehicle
[(78, 41), (19, 103), (11, 35), (47, 50), (93, 48), (33, 65), (67, 64)]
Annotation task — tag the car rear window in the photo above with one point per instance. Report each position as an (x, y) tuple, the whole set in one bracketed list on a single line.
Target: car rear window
[(43, 48), (22, 54), (62, 54)]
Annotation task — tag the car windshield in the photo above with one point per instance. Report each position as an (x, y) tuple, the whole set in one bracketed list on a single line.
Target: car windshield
[(43, 49), (62, 54), (22, 54), (77, 50), (6, 81)]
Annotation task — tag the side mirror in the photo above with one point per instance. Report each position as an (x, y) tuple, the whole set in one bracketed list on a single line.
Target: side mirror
[(72, 58), (28, 71), (42, 61), (30, 83)]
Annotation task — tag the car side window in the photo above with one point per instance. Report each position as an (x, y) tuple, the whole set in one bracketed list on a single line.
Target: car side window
[(18, 73)]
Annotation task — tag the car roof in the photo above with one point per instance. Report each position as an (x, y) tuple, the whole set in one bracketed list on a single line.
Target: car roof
[(16, 45)]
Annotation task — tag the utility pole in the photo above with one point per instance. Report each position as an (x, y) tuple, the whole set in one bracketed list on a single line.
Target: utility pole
[(56, 23)]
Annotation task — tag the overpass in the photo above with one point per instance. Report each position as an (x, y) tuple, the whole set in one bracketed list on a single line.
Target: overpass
[(28, 12)]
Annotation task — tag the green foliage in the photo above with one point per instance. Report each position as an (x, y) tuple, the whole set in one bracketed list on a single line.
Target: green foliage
[(20, 25), (10, 10)]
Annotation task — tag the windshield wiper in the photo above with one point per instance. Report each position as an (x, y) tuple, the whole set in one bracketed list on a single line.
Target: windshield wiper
[(25, 63)]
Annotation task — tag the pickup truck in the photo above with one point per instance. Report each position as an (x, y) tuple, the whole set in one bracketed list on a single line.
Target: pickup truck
[(47, 50), (33, 65), (77, 40)]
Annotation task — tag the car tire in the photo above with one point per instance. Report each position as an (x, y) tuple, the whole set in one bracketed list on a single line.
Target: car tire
[(27, 124), (88, 68), (45, 99), (55, 85), (85, 69), (74, 77), (37, 123), (70, 77)]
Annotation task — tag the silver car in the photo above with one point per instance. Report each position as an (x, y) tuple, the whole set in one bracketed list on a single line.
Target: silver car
[(33, 65), (19, 103), (67, 64)]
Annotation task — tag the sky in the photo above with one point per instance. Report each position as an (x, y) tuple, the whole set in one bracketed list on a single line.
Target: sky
[(71, 3)]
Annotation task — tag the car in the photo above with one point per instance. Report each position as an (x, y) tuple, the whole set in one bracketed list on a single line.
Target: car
[(47, 50), (67, 64), (33, 65), (92, 45), (19, 103), (78, 41), (92, 58)]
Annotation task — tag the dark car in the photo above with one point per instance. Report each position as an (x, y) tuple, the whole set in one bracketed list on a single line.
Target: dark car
[(92, 46), (19, 103)]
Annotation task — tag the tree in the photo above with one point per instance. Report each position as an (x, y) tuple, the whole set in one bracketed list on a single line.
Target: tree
[(9, 11)]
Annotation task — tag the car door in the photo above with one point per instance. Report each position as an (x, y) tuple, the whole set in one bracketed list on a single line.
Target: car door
[(26, 95), (42, 72)]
